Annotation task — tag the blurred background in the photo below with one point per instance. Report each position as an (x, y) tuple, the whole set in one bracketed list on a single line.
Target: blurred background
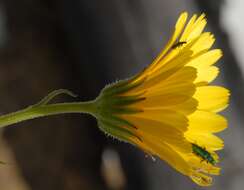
[(82, 45)]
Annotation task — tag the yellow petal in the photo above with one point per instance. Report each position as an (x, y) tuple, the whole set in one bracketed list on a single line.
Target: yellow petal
[(188, 28), (186, 74), (167, 154), (178, 29), (156, 128), (206, 122), (205, 140), (195, 29), (206, 58), (187, 89), (212, 98), (165, 72), (161, 132), (168, 57), (180, 82), (185, 108), (201, 179), (201, 43), (177, 62), (179, 26), (214, 155), (166, 117), (206, 74), (161, 101), (203, 166)]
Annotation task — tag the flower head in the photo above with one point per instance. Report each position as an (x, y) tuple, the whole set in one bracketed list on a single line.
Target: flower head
[(169, 109)]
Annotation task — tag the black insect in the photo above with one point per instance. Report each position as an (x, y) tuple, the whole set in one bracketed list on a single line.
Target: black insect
[(203, 153), (178, 44)]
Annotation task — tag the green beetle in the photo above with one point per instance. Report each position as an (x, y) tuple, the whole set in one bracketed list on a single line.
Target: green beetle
[(203, 153)]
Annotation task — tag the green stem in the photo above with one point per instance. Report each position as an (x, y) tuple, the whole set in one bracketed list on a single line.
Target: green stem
[(37, 111)]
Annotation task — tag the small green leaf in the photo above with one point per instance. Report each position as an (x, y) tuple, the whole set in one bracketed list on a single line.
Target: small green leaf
[(53, 94)]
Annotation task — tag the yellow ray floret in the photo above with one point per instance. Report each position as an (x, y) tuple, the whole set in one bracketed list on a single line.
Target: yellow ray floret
[(169, 110)]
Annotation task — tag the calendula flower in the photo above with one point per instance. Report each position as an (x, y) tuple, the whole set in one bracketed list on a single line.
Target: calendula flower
[(169, 109)]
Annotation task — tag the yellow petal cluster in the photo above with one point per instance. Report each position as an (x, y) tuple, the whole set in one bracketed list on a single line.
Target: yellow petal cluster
[(170, 106)]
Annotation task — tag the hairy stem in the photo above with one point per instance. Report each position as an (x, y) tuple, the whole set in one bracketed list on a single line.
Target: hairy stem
[(37, 111)]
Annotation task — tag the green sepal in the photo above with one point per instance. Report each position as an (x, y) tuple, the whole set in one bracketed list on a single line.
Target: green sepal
[(124, 110), (119, 84), (116, 120), (116, 132), (111, 132), (119, 89), (118, 104), (108, 89), (123, 100)]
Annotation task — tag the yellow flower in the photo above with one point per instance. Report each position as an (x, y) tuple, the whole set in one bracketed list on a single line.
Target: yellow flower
[(169, 110)]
